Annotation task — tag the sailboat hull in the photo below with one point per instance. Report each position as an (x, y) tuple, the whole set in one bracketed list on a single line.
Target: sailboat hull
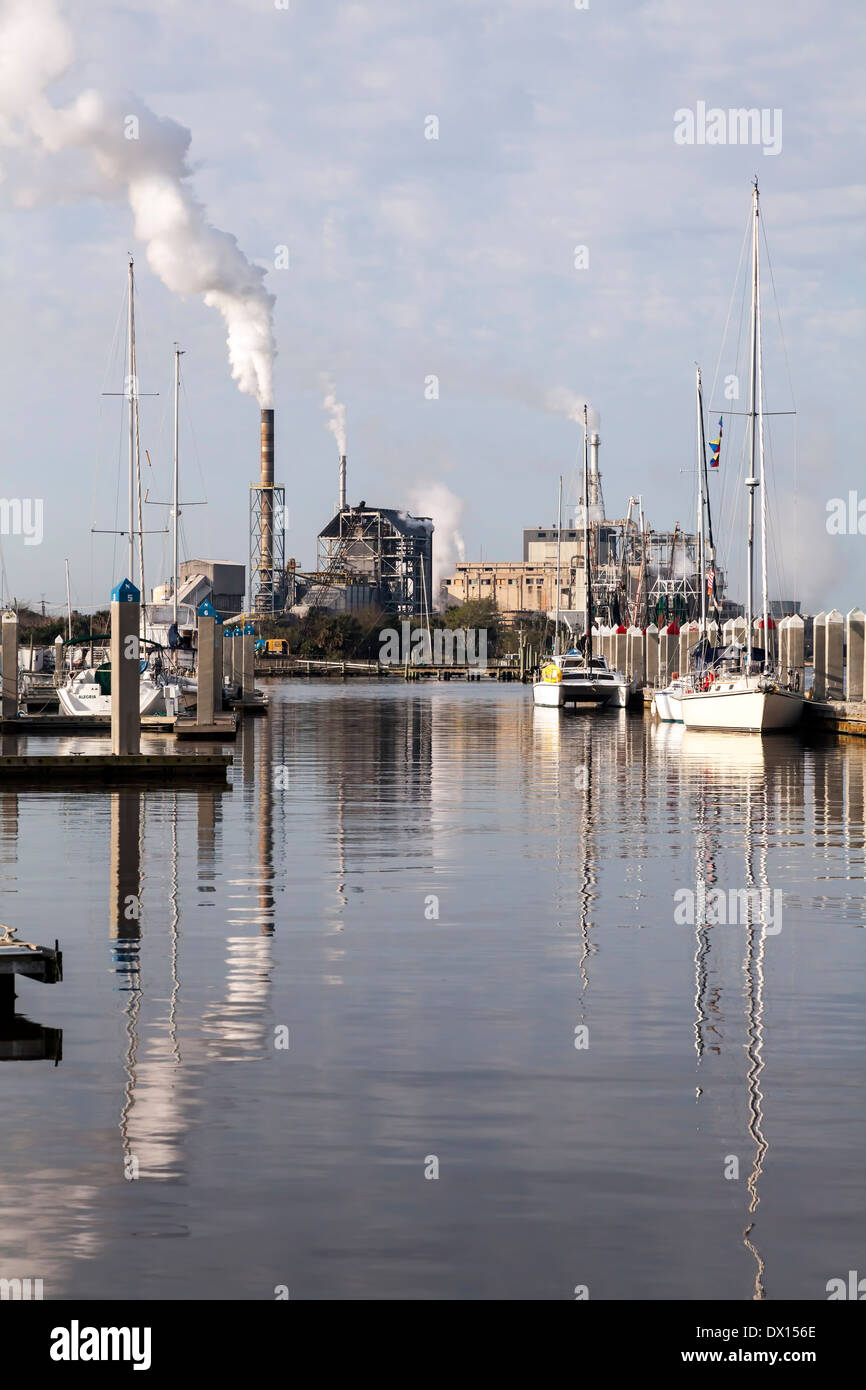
[(744, 710)]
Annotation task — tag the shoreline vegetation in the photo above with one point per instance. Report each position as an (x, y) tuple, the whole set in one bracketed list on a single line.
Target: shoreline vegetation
[(338, 636)]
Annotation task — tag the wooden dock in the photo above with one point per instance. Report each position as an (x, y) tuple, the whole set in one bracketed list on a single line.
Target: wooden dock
[(42, 963), (80, 723), (222, 726), (98, 768)]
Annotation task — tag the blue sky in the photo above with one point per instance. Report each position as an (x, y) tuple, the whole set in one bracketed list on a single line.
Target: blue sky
[(453, 257)]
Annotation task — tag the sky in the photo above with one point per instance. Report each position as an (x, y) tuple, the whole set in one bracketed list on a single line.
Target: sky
[(411, 258)]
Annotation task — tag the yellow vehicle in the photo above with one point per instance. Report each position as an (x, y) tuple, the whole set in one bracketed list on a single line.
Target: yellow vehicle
[(277, 646)]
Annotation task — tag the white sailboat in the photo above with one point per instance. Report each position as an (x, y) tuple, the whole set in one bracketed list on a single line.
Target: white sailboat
[(666, 702), (577, 677), (165, 686), (743, 689)]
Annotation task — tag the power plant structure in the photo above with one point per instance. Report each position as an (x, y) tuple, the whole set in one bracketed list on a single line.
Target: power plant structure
[(368, 557), (268, 581), (639, 576)]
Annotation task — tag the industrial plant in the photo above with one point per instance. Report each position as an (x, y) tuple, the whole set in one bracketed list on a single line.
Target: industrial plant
[(382, 557), (640, 576), (366, 556)]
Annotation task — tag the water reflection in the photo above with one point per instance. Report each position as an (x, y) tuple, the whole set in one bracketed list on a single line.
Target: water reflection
[(554, 846)]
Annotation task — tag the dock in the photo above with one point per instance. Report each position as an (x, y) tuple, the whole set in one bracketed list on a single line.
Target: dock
[(22, 1040), (41, 963), (65, 769), (222, 726), (81, 723), (843, 717)]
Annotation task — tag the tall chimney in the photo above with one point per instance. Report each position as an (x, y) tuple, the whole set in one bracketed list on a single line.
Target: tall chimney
[(342, 482), (595, 496), (266, 574)]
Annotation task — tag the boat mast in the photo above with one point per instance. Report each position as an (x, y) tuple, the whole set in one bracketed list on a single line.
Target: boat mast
[(752, 481), (587, 572), (558, 567), (130, 381), (765, 604), (175, 506), (701, 465)]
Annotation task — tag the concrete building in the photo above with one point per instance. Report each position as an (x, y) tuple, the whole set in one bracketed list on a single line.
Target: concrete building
[(220, 581), (516, 586)]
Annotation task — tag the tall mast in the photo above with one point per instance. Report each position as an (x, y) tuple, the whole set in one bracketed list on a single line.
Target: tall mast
[(701, 465), (752, 481), (558, 567), (140, 509), (765, 603), (175, 505), (587, 571), (130, 381)]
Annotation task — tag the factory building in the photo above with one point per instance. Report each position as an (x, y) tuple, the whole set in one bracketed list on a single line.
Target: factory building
[(638, 575), (515, 587), (220, 581), (376, 555)]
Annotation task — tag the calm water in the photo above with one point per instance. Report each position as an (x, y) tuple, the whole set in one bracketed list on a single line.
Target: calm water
[(305, 898)]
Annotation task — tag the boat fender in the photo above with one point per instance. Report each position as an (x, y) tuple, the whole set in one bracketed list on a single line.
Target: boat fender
[(551, 674)]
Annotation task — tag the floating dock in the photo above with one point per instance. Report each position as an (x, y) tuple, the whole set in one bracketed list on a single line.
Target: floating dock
[(836, 717), (42, 963), (97, 768), (80, 723), (223, 725)]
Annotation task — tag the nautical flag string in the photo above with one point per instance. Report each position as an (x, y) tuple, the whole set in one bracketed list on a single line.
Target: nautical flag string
[(715, 447)]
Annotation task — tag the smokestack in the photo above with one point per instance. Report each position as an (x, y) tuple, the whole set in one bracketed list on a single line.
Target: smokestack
[(594, 442), (268, 448), (596, 499), (266, 574), (342, 482)]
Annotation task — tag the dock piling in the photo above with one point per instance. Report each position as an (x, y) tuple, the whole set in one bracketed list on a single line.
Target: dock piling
[(207, 664), (248, 682), (10, 666), (856, 643), (125, 657)]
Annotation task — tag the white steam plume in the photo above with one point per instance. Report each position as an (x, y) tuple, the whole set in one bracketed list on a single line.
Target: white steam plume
[(561, 401), (336, 414), (143, 156), (446, 511)]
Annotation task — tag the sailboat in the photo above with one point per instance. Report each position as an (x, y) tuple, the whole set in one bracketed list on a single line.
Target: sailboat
[(162, 689), (666, 702), (741, 687), (576, 677)]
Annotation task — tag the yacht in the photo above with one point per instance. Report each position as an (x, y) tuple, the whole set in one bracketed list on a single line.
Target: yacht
[(578, 677), (743, 688), (572, 679)]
